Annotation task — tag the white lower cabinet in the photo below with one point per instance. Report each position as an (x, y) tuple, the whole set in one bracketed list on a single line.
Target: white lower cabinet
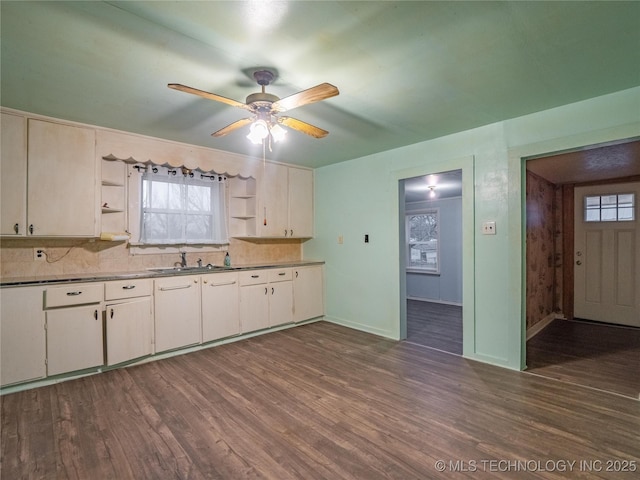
[(177, 312), (22, 335), (220, 306), (254, 301), (280, 297), (266, 299), (308, 292), (129, 320), (54, 330), (74, 339), (74, 327)]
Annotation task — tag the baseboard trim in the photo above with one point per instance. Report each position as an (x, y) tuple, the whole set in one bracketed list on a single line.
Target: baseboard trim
[(542, 324), (442, 302)]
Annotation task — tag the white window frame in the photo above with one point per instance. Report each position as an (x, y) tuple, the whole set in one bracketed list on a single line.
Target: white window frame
[(136, 247), (415, 268)]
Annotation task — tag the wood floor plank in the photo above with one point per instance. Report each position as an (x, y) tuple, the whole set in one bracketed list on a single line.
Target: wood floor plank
[(435, 325), (585, 353), (319, 401)]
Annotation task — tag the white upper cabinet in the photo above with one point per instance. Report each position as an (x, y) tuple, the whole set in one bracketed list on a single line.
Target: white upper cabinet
[(13, 175), (287, 202), (61, 180), (301, 202)]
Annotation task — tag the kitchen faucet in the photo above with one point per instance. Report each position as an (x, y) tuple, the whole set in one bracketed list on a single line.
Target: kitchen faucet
[(183, 259)]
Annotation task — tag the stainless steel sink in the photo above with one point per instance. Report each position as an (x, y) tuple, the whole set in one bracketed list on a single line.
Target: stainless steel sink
[(194, 269)]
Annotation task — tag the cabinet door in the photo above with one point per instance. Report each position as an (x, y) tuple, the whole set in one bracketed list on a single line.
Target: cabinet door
[(22, 335), (61, 180), (220, 306), (177, 312), (300, 203), (308, 293), (274, 201), (129, 330), (254, 307), (280, 303), (74, 339), (13, 175)]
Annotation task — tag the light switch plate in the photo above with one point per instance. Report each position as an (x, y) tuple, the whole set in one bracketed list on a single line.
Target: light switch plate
[(489, 228)]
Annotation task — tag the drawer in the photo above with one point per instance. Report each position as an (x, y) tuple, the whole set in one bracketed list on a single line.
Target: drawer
[(220, 279), (73, 295), (128, 289), (280, 274), (253, 277)]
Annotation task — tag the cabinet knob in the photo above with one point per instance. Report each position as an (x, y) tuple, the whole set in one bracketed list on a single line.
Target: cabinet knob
[(285, 232), (204, 281), (16, 228), (31, 229), (291, 233)]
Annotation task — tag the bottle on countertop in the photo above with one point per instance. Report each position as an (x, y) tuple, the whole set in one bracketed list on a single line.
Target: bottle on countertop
[(227, 260)]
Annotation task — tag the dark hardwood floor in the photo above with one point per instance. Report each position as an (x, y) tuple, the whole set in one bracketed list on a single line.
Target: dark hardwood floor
[(435, 325), (586, 353), (319, 401)]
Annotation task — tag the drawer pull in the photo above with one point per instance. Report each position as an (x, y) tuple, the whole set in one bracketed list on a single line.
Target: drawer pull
[(128, 287), (223, 284), (74, 294), (95, 314), (255, 276), (177, 287), (282, 274)]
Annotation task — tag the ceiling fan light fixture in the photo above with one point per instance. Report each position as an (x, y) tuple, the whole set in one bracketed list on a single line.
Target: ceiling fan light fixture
[(278, 133), (258, 131)]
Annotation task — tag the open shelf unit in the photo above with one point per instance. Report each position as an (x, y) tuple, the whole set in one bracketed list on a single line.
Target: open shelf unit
[(242, 207), (113, 197)]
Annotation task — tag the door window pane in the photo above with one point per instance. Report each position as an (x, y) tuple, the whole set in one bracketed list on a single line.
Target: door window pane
[(609, 208)]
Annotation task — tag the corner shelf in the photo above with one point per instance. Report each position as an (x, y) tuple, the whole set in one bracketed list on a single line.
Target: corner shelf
[(113, 197), (242, 207)]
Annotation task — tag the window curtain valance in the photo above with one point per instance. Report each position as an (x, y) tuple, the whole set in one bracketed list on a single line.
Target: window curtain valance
[(138, 149)]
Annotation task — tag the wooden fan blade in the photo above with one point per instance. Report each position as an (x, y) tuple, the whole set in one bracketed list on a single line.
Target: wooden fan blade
[(303, 127), (210, 96), (305, 97), (232, 126)]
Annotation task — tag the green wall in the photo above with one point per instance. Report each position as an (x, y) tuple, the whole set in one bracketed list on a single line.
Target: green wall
[(364, 281)]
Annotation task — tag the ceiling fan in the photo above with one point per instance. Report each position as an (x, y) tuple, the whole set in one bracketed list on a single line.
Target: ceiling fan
[(266, 108)]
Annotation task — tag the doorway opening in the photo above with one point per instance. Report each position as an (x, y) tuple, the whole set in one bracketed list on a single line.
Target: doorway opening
[(582, 276), (432, 251)]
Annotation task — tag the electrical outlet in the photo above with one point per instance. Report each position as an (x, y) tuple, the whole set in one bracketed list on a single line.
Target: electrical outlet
[(39, 255), (489, 228)]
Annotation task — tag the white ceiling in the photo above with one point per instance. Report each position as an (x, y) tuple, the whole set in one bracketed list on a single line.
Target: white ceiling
[(434, 187), (407, 71)]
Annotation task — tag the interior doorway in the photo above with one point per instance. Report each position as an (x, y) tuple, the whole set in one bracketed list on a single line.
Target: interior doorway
[(432, 250), (563, 297)]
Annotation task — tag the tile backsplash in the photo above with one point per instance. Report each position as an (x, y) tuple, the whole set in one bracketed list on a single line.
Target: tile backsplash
[(81, 256)]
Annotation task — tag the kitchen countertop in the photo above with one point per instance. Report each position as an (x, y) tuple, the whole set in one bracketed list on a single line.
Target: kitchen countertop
[(106, 276)]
